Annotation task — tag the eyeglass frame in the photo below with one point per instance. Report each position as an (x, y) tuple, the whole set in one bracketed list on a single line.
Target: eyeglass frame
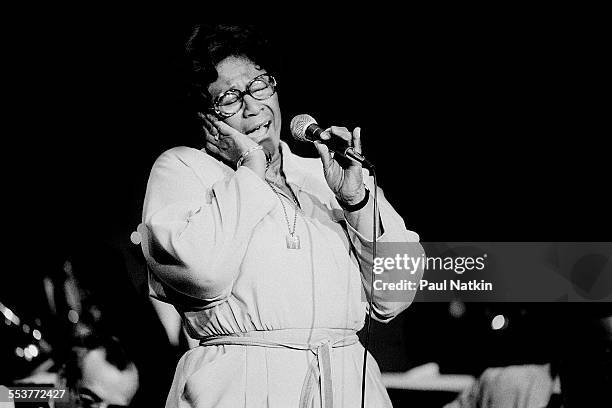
[(241, 95)]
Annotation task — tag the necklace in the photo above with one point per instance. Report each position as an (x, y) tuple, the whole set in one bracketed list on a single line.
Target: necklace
[(293, 240)]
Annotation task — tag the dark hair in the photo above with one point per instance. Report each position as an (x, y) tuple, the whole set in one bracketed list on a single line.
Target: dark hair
[(115, 355), (209, 45)]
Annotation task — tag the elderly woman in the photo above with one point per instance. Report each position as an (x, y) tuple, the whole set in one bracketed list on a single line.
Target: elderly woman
[(265, 254)]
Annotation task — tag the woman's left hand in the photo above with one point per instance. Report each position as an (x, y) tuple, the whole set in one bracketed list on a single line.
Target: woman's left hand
[(344, 177)]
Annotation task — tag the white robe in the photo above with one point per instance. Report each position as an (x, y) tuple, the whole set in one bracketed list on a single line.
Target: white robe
[(215, 244)]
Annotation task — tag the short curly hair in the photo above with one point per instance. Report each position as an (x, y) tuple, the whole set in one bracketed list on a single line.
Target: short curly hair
[(208, 45)]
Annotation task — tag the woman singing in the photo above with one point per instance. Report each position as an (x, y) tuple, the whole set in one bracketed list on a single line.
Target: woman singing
[(266, 255)]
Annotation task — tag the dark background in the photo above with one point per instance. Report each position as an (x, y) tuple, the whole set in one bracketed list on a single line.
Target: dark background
[(480, 129), (484, 126)]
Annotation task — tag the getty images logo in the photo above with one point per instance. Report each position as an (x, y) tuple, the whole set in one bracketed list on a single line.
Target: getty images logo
[(412, 264)]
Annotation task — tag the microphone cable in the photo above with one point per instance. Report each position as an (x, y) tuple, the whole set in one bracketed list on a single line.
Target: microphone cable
[(374, 239)]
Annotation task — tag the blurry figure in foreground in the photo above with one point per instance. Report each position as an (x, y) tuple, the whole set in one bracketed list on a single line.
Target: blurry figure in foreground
[(89, 291), (580, 376), (97, 373)]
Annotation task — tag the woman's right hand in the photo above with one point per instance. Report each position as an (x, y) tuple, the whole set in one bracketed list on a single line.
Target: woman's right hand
[(228, 144)]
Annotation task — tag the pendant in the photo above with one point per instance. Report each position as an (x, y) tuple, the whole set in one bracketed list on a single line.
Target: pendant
[(293, 241)]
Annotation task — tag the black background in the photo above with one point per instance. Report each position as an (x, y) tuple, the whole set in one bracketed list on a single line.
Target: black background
[(481, 129)]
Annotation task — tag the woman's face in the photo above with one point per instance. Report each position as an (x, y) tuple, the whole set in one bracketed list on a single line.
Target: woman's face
[(259, 120)]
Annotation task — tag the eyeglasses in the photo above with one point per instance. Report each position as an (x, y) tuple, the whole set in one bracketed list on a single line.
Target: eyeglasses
[(230, 102)]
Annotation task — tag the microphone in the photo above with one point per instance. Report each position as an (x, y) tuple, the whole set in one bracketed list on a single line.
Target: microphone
[(305, 129)]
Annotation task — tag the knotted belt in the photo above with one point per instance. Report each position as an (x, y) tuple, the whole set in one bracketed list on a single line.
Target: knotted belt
[(320, 370)]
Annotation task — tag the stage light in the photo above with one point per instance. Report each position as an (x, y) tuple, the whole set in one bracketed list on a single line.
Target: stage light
[(136, 238), (36, 334), (456, 308), (33, 350), (8, 313), (498, 322), (26, 328), (73, 316), (19, 352)]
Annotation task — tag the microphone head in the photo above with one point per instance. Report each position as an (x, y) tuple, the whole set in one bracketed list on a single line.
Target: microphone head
[(299, 124)]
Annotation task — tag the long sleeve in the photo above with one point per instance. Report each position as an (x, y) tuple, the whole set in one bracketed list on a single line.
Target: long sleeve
[(198, 220), (386, 305)]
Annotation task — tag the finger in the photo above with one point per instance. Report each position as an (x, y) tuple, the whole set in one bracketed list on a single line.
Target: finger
[(210, 138), (211, 132), (226, 129), (357, 139), (341, 132), (205, 120), (326, 134), (325, 154), (222, 143), (209, 127)]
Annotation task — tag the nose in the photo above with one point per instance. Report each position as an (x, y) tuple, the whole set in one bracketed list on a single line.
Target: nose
[(251, 106)]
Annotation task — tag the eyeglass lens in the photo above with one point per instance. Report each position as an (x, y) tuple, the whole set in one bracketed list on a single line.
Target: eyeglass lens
[(231, 101)]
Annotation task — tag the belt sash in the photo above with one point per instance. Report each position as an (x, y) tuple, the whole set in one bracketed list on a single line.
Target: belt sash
[(320, 369)]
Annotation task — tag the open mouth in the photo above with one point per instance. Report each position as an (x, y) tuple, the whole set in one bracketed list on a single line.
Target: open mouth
[(259, 130)]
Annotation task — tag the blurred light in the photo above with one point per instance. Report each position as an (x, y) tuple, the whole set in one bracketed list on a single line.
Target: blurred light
[(36, 334), (136, 237), (27, 353), (82, 330), (95, 313), (498, 322), (26, 328), (33, 350), (73, 316), (37, 321), (44, 346), (8, 313), (19, 352), (456, 308)]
